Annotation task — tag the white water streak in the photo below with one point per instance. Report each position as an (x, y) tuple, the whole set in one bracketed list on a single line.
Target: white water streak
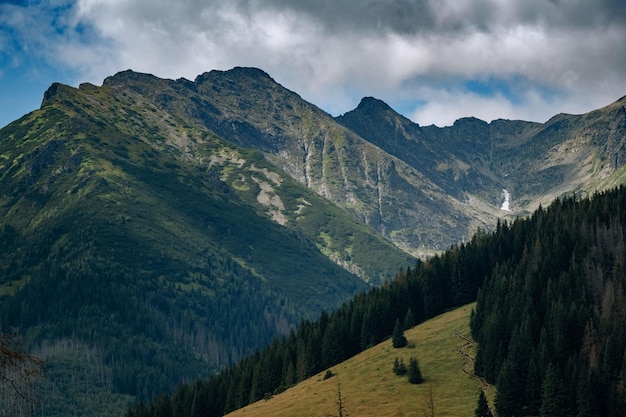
[(505, 204)]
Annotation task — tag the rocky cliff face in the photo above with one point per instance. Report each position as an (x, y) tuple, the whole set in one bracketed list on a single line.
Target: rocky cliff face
[(422, 188), (380, 189)]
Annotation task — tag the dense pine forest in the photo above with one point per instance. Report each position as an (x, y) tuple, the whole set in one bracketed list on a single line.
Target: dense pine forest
[(550, 318), (145, 310)]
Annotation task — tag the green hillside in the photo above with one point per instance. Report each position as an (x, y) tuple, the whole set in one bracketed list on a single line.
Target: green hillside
[(370, 388), (126, 233)]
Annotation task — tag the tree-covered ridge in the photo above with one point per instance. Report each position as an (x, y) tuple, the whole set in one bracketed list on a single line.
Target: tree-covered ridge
[(549, 319)]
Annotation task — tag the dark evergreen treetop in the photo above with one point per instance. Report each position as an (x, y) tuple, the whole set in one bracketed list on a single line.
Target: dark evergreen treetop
[(398, 339), (414, 372), (482, 407)]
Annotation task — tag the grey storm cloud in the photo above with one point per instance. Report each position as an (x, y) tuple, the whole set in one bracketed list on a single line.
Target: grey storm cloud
[(402, 17), (448, 16), (399, 16)]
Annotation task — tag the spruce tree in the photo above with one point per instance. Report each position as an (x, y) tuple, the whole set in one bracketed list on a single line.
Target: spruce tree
[(398, 339), (482, 408), (552, 395), (415, 375), (507, 398), (399, 368), (409, 319)]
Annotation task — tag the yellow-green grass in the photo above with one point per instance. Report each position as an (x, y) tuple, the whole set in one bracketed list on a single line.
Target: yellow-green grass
[(370, 388)]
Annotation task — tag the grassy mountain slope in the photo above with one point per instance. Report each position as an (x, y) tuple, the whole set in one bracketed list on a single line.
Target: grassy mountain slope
[(370, 388), (356, 248), (79, 173), (248, 108), (120, 238), (423, 188)]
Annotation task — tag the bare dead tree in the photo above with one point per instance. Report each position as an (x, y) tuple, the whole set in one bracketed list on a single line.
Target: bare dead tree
[(430, 402), (20, 378), (341, 407)]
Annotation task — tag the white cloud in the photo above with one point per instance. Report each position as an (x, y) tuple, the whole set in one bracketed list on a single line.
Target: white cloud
[(443, 107), (558, 56)]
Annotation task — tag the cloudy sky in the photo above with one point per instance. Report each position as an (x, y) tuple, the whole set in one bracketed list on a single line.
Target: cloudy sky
[(432, 60)]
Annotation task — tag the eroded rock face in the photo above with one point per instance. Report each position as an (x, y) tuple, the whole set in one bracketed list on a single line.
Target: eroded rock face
[(422, 187)]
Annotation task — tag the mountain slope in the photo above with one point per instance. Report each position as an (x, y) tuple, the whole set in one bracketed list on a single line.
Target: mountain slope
[(121, 239), (248, 108), (423, 188), (534, 162), (453, 163), (357, 248), (370, 388), (82, 172)]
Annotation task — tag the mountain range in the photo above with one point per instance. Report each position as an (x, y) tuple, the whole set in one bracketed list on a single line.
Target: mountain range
[(148, 221)]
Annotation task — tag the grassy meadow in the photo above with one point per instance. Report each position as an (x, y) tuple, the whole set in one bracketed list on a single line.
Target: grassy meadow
[(370, 388)]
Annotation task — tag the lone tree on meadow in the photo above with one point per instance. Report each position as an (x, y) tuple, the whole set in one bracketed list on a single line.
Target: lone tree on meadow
[(415, 375), (398, 340), (399, 368)]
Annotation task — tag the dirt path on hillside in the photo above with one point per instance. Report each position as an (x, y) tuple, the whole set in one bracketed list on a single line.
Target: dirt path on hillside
[(467, 367), (464, 351)]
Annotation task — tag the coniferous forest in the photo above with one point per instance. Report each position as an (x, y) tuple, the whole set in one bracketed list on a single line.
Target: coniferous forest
[(549, 320)]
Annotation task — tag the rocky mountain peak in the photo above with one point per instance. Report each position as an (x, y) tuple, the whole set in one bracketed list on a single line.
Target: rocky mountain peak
[(126, 76), (235, 74), (55, 92), (370, 104)]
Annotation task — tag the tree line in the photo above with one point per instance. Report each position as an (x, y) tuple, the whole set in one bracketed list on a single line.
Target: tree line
[(153, 333)]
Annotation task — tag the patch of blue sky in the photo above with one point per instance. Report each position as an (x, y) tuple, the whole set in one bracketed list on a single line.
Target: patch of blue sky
[(514, 88), (27, 66), (22, 89)]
